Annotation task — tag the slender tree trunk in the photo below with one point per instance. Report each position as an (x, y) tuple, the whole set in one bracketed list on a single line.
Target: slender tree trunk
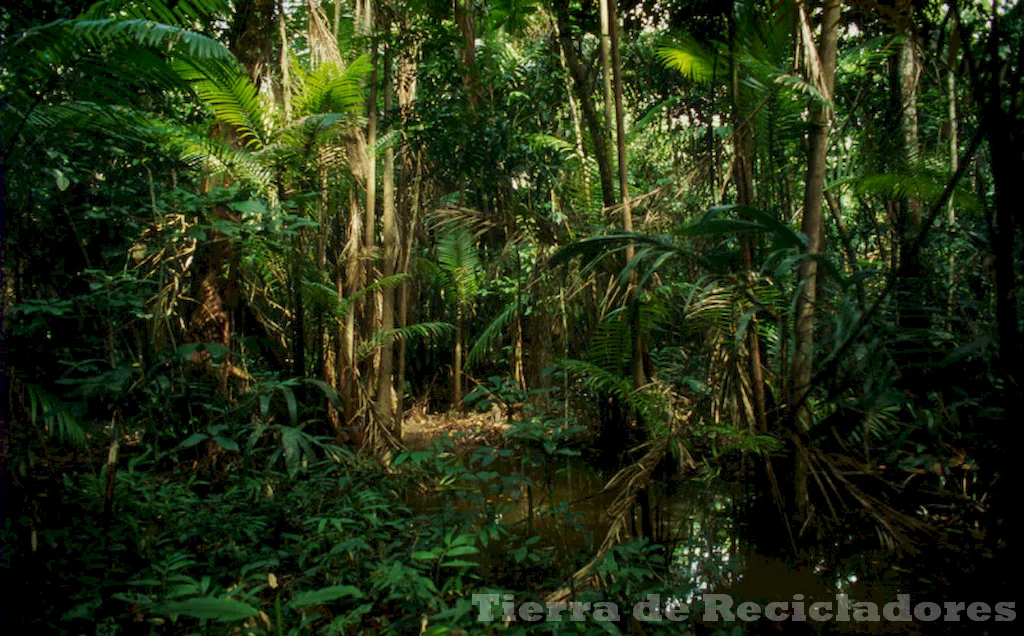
[(249, 36), (598, 136), (639, 377), (385, 381), (408, 212), (577, 125), (910, 76), (466, 21), (370, 317), (744, 178), (912, 285), (954, 165), (286, 81), (803, 356), (347, 361), (606, 65), (369, 223), (298, 311), (457, 370), (620, 128)]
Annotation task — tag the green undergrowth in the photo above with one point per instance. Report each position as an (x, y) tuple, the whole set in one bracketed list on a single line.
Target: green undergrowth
[(334, 544)]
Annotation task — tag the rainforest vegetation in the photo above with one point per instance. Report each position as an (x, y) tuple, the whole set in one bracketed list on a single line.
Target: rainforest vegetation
[(323, 316)]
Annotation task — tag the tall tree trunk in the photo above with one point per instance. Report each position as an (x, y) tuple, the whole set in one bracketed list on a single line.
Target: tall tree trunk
[(743, 175), (639, 378), (577, 126), (910, 289), (606, 64), (466, 21), (910, 77), (369, 222), (298, 310), (286, 80), (347, 369), (408, 210), (370, 319), (385, 381), (218, 296), (598, 136), (803, 356), (249, 36), (457, 367), (954, 148)]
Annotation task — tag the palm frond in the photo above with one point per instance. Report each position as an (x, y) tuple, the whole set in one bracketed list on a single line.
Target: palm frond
[(234, 100), (183, 13), (609, 384), (427, 331), (691, 58), (459, 258), (330, 89), (921, 183), (54, 415), (385, 282), (214, 157), (491, 335)]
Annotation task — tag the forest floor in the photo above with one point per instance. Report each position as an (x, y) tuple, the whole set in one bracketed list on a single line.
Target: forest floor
[(420, 428)]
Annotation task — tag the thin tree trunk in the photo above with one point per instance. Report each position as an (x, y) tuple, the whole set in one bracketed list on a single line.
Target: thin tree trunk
[(954, 165), (385, 381), (744, 177), (369, 223), (347, 361), (577, 125), (370, 317), (910, 75), (606, 66), (911, 289), (409, 213), (457, 370), (411, 165), (466, 21), (639, 378), (597, 131), (803, 356), (286, 82)]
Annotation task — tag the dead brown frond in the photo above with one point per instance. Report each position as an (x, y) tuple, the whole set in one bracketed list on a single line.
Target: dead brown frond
[(323, 42), (456, 216), (837, 487), (631, 481)]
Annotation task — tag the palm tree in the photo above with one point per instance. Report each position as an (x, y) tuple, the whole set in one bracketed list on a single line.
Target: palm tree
[(459, 271)]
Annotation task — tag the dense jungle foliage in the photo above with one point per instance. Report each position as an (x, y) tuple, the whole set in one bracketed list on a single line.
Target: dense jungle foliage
[(705, 296)]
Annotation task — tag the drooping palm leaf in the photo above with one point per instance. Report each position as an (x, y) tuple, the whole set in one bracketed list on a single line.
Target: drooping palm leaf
[(491, 334), (234, 100), (430, 332)]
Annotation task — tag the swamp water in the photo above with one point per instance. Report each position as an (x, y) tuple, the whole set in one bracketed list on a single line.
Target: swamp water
[(562, 501)]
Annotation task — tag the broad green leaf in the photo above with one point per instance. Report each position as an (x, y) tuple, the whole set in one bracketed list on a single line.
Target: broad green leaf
[(62, 181), (424, 556), (218, 609), (193, 440), (227, 443), (326, 595), (458, 563)]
